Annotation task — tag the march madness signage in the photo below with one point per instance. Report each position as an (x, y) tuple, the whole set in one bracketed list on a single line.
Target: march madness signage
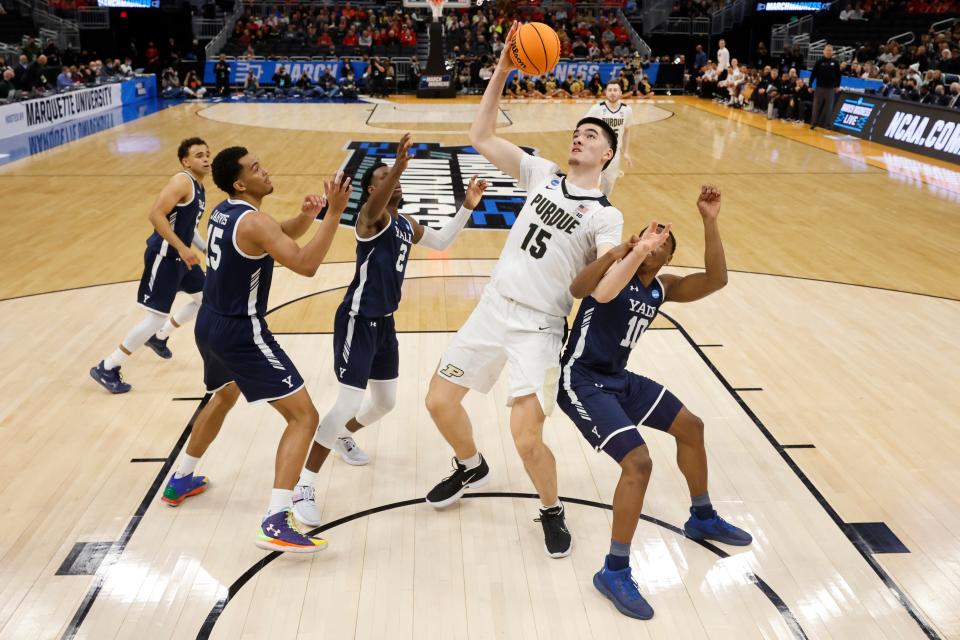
[(435, 181), (924, 129)]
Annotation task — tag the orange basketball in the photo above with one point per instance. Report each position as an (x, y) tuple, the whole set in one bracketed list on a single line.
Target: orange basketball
[(536, 49)]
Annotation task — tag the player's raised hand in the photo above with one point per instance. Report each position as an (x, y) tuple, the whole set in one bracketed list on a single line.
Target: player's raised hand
[(189, 257), (709, 202), (651, 239), (474, 192), (312, 204), (337, 193), (506, 62), (620, 251), (403, 152)]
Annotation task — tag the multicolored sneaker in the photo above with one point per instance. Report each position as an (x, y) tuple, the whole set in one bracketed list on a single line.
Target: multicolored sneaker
[(179, 489), (715, 528), (159, 347), (347, 447), (621, 589), (109, 379), (279, 532)]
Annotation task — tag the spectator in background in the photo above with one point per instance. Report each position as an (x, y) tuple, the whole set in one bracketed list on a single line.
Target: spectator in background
[(723, 57), (282, 82), (348, 84), (762, 57), (826, 74), (7, 89), (327, 85), (192, 87), (699, 59), (413, 74), (251, 86), (20, 71), (33, 80), (65, 80), (221, 71), (170, 84)]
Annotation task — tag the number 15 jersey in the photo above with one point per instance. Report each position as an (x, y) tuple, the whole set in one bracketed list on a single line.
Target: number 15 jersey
[(553, 238)]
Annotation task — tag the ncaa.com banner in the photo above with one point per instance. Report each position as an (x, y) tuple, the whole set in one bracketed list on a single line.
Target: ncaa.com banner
[(30, 115), (924, 129)]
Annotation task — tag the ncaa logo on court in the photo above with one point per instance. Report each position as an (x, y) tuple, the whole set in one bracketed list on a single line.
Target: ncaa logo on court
[(434, 184)]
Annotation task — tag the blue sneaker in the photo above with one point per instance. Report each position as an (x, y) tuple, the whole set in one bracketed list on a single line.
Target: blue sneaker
[(109, 379), (621, 589), (715, 528), (179, 489), (159, 347), (279, 532)]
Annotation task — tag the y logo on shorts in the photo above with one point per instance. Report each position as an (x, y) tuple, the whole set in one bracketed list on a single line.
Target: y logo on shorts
[(146, 297), (451, 371), (289, 381), (342, 371)]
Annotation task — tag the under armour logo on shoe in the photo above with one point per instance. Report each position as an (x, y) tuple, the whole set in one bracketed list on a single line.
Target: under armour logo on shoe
[(272, 530)]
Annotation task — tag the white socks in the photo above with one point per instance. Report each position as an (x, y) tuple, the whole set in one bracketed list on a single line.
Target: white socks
[(280, 499), (306, 478), (471, 463), (188, 464), (115, 359)]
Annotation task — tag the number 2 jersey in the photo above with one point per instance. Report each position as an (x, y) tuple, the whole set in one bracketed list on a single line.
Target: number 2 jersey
[(603, 334), (553, 238), (381, 265)]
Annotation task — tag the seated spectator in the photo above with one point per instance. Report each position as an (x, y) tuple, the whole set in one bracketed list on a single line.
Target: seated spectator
[(251, 86), (192, 87), (348, 84), (365, 41), (282, 82), (65, 80), (327, 85), (7, 90), (170, 84)]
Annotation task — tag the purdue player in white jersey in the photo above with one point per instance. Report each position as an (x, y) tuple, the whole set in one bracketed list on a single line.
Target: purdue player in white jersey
[(566, 222), (618, 115)]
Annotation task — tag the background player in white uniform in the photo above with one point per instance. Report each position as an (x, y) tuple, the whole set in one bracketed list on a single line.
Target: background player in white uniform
[(565, 223), (170, 265), (618, 115)]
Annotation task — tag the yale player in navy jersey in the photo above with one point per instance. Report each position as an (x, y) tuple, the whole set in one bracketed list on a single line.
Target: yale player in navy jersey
[(239, 353), (608, 403), (169, 264), (365, 348)]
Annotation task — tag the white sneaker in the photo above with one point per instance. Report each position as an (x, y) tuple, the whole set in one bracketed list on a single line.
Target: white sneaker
[(305, 505), (347, 447)]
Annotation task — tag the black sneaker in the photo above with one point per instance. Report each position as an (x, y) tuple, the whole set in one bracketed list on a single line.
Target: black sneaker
[(451, 488), (159, 347), (556, 539)]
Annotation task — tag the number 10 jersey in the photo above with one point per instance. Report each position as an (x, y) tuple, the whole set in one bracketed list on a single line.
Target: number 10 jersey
[(553, 238)]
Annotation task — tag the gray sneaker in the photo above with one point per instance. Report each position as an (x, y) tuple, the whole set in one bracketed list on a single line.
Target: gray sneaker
[(350, 452)]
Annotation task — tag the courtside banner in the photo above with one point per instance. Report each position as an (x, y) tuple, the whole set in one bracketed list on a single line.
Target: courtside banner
[(18, 118), (924, 129)]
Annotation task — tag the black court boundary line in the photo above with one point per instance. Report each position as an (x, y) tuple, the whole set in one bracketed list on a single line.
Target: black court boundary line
[(845, 527), (118, 547), (679, 266), (210, 622)]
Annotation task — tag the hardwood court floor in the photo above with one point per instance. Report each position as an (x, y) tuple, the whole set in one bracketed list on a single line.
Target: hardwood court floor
[(866, 376)]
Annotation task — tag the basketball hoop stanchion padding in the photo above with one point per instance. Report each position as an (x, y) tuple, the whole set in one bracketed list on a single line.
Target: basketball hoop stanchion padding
[(437, 81)]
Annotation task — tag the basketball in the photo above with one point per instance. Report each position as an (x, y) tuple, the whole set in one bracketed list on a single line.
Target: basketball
[(536, 49)]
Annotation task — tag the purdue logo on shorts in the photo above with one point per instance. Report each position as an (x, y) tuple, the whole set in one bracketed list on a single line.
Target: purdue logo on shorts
[(451, 371)]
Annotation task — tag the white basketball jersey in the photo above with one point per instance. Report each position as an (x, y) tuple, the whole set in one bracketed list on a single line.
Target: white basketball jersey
[(618, 120), (554, 237)]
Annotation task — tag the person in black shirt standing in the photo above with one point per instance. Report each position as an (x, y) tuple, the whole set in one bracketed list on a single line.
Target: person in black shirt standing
[(222, 72), (826, 72)]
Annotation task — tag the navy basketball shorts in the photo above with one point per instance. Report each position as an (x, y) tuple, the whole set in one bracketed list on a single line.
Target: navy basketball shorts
[(242, 350), (364, 349), (162, 278), (608, 409)]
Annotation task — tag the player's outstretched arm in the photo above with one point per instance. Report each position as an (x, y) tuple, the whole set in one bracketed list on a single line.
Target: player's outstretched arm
[(440, 239), (259, 232), (177, 188), (505, 155), (714, 278), (298, 225), (372, 210), (617, 277), (588, 279)]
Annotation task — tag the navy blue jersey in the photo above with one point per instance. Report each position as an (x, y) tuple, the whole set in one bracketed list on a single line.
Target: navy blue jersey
[(237, 284), (604, 334), (381, 263), (184, 219)]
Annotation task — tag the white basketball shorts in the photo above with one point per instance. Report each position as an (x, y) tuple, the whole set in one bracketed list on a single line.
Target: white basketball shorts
[(501, 331)]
